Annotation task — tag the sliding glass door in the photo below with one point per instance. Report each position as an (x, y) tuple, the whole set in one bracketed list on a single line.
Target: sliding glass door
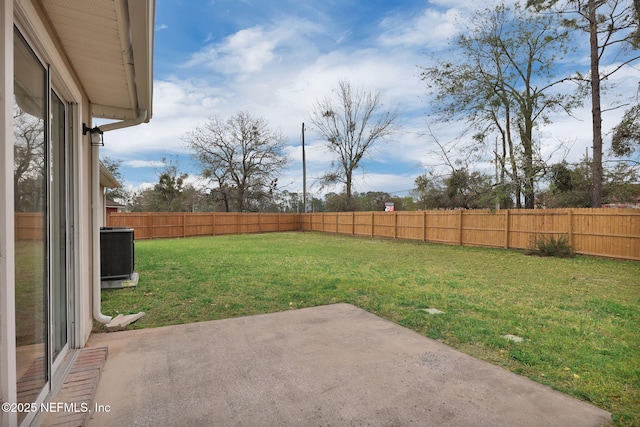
[(59, 220), (42, 206), (31, 194)]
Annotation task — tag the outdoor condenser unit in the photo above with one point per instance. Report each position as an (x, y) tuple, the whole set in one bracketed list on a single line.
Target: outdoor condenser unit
[(116, 253)]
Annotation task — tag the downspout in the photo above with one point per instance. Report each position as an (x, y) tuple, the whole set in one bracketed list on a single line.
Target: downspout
[(96, 210)]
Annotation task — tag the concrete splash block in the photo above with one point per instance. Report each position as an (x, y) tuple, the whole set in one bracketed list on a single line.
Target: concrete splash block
[(121, 321), (432, 311), (513, 338)]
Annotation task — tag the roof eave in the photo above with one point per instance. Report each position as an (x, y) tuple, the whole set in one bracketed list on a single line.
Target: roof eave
[(141, 31), (107, 180)]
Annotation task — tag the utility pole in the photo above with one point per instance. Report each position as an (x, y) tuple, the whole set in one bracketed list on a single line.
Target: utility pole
[(304, 174)]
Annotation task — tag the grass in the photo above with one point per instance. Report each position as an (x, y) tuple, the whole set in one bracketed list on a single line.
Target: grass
[(579, 317), (29, 292)]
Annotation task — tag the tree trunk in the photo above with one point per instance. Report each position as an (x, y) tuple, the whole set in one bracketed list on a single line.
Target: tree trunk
[(225, 198), (515, 179), (596, 113), (348, 208), (529, 196)]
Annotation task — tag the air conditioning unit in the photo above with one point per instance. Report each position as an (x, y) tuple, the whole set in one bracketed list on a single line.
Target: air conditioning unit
[(116, 253)]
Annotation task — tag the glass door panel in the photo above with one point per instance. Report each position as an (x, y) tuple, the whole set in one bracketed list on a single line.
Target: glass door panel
[(31, 219), (59, 227)]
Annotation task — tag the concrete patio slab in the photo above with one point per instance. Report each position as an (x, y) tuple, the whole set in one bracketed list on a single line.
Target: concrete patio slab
[(333, 365)]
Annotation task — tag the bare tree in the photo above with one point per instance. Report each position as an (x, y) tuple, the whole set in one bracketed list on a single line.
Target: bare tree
[(241, 156), (351, 122), (29, 161)]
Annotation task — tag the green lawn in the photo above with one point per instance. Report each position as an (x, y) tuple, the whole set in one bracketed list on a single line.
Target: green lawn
[(579, 317)]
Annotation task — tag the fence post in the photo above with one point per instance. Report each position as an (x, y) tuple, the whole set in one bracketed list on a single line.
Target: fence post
[(506, 228), (570, 226), (213, 224), (372, 224), (184, 225), (424, 226), (353, 223), (395, 225), (460, 227)]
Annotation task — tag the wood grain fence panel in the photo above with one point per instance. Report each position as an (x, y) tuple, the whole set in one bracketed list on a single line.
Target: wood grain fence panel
[(362, 224), (29, 226), (308, 221), (198, 224), (296, 221), (344, 223), (527, 226), (330, 222), (316, 221), (138, 221), (409, 225), (248, 223), (168, 225), (523, 229), (613, 233), (305, 222), (441, 227), (483, 228), (269, 223), (227, 223), (384, 224)]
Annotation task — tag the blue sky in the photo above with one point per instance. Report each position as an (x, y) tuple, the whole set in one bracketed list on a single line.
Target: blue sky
[(275, 58)]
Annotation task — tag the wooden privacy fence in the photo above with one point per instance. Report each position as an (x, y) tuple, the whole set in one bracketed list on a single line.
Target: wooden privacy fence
[(613, 233), (147, 225), (29, 225)]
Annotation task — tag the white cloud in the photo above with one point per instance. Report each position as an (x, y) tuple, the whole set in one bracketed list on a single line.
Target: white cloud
[(432, 28), (178, 107), (247, 51), (252, 50), (142, 163), (394, 184)]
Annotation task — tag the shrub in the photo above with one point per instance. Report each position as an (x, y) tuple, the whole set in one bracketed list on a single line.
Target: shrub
[(557, 246)]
